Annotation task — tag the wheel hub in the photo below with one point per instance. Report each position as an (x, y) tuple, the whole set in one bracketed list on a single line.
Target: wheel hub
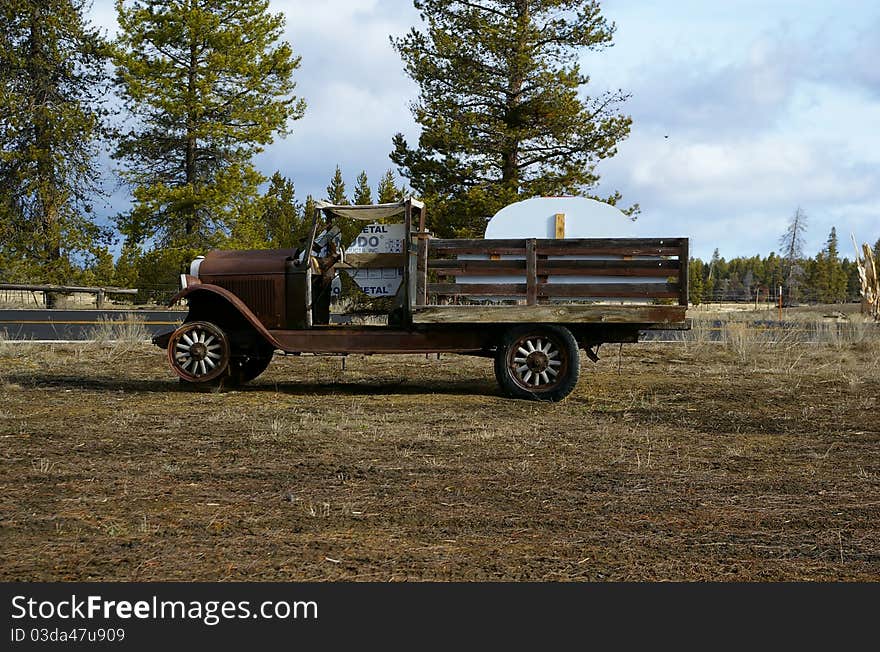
[(198, 351), (537, 361)]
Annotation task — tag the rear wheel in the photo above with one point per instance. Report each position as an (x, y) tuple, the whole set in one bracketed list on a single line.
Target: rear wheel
[(245, 369), (538, 362), (199, 352)]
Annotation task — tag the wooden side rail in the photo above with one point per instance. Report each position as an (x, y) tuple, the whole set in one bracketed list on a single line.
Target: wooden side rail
[(567, 290), (439, 268), (572, 247), (446, 267)]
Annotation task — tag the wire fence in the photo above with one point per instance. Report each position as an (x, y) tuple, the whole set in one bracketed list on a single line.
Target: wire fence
[(802, 295), (802, 331)]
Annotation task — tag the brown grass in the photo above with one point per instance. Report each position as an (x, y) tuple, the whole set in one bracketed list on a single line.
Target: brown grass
[(692, 463)]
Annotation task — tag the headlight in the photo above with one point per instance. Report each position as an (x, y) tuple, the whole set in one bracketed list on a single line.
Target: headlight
[(194, 266)]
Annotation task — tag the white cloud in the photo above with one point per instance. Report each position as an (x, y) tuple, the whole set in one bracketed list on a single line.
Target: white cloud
[(353, 82), (736, 127), (768, 171)]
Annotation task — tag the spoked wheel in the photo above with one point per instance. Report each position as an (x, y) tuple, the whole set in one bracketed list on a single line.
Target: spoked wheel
[(538, 362), (199, 352)]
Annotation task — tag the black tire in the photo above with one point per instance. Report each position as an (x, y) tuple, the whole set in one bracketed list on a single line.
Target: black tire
[(537, 362), (245, 369)]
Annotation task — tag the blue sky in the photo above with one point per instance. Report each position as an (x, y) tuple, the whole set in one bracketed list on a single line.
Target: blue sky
[(742, 111)]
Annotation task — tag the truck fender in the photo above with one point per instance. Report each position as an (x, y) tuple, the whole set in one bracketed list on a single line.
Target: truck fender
[(212, 293)]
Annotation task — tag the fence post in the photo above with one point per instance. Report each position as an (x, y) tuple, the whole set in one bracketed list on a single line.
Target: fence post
[(531, 273), (422, 269), (683, 268)]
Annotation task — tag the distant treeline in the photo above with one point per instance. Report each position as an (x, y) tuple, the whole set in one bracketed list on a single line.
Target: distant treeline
[(825, 278)]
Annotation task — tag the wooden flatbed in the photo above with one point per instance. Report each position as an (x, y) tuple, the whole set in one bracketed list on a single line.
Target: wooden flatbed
[(649, 316)]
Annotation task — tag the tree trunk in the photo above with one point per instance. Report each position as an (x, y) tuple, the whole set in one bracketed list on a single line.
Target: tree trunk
[(191, 219), (47, 194), (510, 152)]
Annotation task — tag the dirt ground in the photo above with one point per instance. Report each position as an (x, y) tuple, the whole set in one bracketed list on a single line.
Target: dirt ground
[(670, 462)]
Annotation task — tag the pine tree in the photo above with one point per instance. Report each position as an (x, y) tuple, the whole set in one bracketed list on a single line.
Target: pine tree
[(208, 83), (52, 68), (308, 212), (853, 282), (362, 193), (100, 271), (772, 276), (792, 243), (834, 277), (695, 281), (388, 191), (282, 216), (126, 269), (275, 221), (501, 106), (336, 189), (816, 278)]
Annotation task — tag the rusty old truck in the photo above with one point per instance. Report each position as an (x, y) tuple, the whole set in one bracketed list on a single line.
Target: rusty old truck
[(529, 304)]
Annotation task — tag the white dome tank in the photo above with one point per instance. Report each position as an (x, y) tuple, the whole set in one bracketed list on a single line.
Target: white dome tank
[(584, 218), (581, 218)]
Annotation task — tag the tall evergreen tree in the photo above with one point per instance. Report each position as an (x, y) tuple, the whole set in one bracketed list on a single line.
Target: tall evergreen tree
[(695, 281), (126, 268), (501, 107), (275, 221), (282, 215), (208, 83), (362, 192), (834, 290), (792, 241), (387, 190), (792, 244), (336, 189), (308, 212), (52, 68)]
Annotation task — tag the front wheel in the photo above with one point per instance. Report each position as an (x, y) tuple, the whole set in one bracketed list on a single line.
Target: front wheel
[(536, 362), (199, 352)]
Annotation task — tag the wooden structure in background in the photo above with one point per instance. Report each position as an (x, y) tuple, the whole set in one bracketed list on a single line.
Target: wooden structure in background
[(870, 280), (48, 289)]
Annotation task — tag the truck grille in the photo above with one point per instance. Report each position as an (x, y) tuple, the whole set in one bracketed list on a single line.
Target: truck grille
[(257, 294)]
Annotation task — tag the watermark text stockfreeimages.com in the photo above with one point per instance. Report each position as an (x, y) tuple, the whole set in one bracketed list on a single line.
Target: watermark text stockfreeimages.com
[(209, 612)]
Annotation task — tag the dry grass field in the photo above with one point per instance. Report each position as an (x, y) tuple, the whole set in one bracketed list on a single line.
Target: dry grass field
[(734, 461)]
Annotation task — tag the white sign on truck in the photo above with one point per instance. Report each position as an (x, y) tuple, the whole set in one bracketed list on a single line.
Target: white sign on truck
[(378, 239)]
